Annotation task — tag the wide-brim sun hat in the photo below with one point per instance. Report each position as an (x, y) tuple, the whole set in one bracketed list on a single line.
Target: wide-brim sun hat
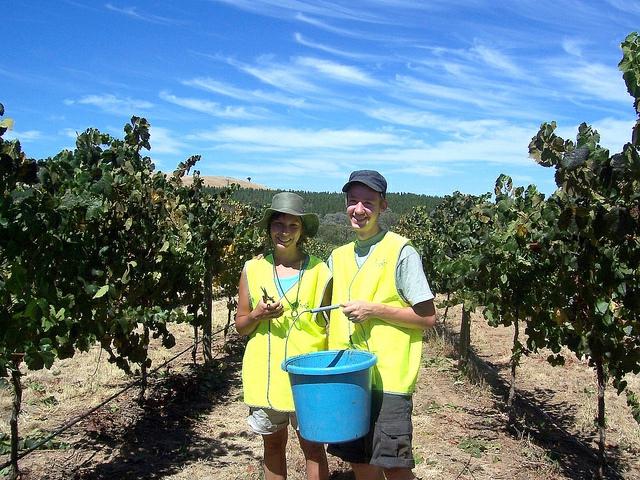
[(293, 204)]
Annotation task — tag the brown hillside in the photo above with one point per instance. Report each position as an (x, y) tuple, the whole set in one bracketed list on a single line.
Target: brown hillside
[(215, 181)]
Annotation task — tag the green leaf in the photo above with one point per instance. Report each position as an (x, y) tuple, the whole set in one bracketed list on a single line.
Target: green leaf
[(602, 306), (100, 293), (47, 324)]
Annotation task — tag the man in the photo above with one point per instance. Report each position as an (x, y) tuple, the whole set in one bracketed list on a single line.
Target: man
[(386, 305)]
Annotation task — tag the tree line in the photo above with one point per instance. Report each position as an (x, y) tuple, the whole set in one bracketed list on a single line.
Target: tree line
[(324, 203), (334, 227)]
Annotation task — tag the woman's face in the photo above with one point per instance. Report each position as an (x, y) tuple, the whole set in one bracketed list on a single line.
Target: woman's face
[(285, 231)]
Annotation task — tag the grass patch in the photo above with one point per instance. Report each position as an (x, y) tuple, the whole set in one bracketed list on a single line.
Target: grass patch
[(476, 447), (35, 386), (31, 441), (435, 407), (50, 401), (439, 363)]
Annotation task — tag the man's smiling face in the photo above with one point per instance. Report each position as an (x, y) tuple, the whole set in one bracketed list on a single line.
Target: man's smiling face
[(364, 206)]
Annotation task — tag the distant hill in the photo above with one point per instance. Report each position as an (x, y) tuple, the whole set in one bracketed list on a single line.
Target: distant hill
[(215, 181)]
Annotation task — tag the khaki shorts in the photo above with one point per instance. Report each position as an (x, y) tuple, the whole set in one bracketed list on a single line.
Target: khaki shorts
[(388, 443), (266, 420)]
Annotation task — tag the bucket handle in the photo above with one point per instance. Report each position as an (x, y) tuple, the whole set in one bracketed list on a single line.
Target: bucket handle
[(316, 310), (296, 317)]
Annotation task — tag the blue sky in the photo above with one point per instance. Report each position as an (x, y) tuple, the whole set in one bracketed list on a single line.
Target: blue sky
[(437, 95)]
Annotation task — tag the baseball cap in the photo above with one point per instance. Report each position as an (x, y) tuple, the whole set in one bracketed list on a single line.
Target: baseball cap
[(370, 178)]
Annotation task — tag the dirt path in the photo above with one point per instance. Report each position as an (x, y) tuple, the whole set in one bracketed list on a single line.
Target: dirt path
[(193, 423)]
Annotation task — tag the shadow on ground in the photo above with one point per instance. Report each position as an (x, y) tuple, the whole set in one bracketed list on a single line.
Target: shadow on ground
[(541, 420), (342, 476), (159, 438)]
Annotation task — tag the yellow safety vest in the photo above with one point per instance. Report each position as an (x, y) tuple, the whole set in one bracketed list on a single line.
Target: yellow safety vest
[(398, 349), (264, 382)]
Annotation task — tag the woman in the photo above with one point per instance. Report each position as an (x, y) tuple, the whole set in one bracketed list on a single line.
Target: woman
[(275, 292)]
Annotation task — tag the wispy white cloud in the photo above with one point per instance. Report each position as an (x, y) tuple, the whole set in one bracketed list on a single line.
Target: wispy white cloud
[(497, 60), (299, 38), (507, 146), (522, 179), (23, 136), (455, 69), (165, 141), (336, 71), (208, 107), (345, 32), (625, 6), (425, 170), (290, 8), (221, 88), (290, 167), (112, 104), (446, 92), (13, 75), (405, 116), (134, 13), (70, 133), (301, 76), (286, 77), (277, 170), (573, 46), (592, 80), (290, 138), (421, 119), (614, 133)]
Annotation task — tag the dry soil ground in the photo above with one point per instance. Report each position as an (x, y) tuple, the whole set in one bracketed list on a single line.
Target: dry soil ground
[(192, 425)]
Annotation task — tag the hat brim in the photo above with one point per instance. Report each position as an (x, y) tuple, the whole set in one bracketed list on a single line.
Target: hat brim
[(310, 221)]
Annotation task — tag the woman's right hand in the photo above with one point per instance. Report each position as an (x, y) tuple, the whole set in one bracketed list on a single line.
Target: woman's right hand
[(247, 319), (267, 311)]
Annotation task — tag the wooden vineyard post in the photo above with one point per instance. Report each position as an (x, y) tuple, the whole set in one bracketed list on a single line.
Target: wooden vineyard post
[(143, 367), (208, 312), (194, 351), (465, 338), (601, 417), (515, 358), (15, 413)]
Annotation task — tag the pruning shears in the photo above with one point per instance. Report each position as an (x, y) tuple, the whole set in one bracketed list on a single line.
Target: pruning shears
[(266, 298)]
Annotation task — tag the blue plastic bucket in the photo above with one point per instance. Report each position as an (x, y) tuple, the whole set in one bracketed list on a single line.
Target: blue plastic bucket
[(332, 393)]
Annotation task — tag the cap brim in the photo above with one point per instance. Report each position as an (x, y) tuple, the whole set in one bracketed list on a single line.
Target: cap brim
[(373, 187)]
